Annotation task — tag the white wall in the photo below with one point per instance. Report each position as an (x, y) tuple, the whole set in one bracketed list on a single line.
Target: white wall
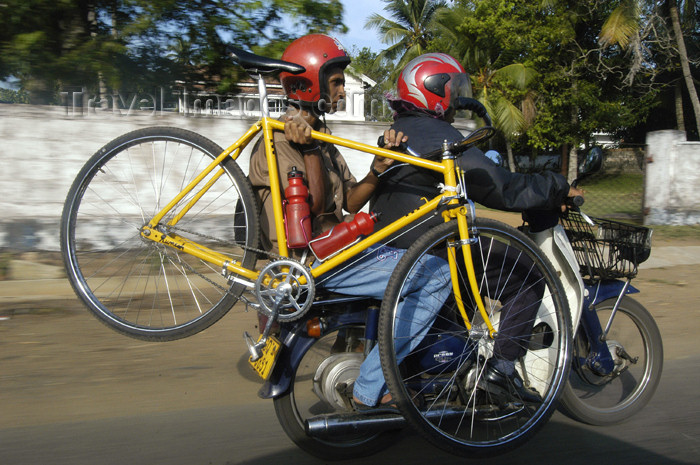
[(43, 148), (672, 179)]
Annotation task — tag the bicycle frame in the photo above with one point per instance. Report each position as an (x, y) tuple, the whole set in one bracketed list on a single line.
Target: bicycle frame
[(450, 196)]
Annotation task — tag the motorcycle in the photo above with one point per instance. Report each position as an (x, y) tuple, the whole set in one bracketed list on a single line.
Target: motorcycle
[(617, 355), (618, 351)]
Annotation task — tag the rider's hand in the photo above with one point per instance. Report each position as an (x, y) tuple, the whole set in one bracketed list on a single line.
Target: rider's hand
[(297, 129), (393, 138), (381, 164), (573, 192)]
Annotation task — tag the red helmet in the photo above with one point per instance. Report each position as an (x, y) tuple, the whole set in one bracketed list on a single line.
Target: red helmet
[(433, 81), (317, 53)]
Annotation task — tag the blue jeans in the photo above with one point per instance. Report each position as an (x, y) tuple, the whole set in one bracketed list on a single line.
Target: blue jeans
[(423, 297)]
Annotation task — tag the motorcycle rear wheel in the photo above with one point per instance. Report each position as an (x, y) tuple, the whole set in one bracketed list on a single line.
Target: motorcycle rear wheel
[(301, 401), (608, 400)]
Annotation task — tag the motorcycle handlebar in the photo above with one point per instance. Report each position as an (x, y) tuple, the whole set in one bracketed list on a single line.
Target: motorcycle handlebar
[(575, 201)]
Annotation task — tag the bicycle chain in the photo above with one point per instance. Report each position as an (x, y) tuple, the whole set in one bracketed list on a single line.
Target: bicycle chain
[(227, 243), (245, 247)]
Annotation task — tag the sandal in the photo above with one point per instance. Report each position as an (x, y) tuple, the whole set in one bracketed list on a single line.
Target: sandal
[(385, 405)]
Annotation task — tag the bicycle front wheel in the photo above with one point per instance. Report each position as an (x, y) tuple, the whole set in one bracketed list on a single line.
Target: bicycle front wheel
[(440, 372), (142, 288)]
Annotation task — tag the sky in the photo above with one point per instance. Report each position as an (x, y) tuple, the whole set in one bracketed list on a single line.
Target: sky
[(355, 15)]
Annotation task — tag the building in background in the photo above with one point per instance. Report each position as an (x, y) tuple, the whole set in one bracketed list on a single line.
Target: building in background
[(245, 104)]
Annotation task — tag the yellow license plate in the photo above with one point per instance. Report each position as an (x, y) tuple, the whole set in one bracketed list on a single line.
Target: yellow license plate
[(263, 366)]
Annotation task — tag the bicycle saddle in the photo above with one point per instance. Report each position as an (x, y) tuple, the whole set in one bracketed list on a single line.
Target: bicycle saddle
[(257, 64)]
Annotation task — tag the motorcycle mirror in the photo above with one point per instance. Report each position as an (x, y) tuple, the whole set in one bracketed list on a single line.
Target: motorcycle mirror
[(591, 164)]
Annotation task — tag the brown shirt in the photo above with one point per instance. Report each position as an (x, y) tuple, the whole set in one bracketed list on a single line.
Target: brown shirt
[(338, 180)]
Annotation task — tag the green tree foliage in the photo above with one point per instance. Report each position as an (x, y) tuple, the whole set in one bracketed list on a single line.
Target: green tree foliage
[(639, 27), (13, 96), (49, 45), (366, 62), (409, 29), (579, 90)]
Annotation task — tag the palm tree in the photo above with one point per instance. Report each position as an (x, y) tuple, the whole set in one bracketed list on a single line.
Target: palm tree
[(623, 26), (409, 30), (492, 89)]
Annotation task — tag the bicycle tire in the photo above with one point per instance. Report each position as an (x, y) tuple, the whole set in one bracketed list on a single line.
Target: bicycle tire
[(138, 287), (447, 402), (608, 400), (303, 401)]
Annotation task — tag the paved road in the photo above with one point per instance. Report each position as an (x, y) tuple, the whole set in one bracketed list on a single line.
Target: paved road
[(73, 392), (667, 432)]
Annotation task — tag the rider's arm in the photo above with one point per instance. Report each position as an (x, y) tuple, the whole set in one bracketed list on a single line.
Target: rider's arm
[(496, 187), (315, 178), (360, 193), (298, 132)]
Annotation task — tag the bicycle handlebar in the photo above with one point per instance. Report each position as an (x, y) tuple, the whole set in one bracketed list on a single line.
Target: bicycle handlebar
[(465, 103), (480, 134)]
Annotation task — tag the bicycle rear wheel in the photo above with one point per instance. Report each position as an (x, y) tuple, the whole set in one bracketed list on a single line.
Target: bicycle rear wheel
[(138, 287), (438, 376)]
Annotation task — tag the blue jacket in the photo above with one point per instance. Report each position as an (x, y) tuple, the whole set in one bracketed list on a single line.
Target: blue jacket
[(488, 184)]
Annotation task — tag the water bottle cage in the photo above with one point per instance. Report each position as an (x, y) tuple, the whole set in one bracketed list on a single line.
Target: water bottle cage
[(286, 225), (333, 254)]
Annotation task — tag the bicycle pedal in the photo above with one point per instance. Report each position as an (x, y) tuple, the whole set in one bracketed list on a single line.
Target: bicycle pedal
[(253, 348), (252, 305)]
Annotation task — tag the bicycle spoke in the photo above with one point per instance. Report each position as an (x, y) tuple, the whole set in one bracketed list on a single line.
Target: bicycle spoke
[(444, 369), (143, 288)]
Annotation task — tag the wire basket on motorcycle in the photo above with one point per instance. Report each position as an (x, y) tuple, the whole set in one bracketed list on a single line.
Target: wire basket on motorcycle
[(607, 249)]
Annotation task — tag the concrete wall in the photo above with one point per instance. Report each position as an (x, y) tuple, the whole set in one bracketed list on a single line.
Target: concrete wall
[(624, 160), (672, 179), (43, 148)]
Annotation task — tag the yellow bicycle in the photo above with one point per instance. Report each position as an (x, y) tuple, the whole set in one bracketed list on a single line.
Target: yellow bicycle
[(160, 236)]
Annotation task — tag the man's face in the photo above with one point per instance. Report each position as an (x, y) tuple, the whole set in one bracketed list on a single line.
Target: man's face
[(336, 87)]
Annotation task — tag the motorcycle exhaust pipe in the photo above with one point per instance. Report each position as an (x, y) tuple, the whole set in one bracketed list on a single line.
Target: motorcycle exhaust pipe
[(326, 426), (330, 425)]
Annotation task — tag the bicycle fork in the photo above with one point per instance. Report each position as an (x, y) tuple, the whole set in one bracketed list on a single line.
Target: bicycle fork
[(465, 216)]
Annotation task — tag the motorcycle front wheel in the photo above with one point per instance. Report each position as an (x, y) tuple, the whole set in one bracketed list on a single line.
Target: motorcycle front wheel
[(637, 350)]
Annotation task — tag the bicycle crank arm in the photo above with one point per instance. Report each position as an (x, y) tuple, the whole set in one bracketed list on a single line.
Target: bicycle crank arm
[(256, 348)]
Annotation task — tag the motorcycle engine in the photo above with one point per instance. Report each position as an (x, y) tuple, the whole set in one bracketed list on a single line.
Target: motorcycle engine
[(339, 368)]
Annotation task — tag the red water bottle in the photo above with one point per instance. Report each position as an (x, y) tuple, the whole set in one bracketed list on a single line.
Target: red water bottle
[(342, 235), (297, 213)]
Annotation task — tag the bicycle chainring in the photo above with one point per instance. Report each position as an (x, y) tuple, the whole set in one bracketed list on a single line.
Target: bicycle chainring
[(285, 288)]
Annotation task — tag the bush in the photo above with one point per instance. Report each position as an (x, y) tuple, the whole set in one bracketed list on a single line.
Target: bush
[(13, 96)]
